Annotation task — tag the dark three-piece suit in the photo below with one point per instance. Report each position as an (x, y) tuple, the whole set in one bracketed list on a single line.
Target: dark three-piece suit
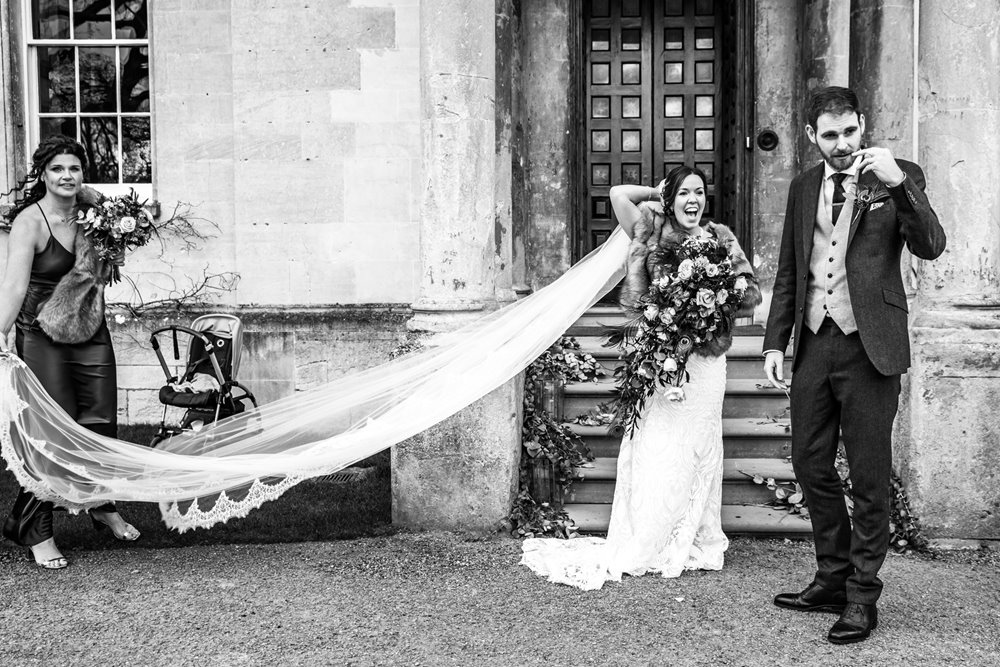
[(840, 291)]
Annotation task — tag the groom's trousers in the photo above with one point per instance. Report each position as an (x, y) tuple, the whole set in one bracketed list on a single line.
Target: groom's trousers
[(835, 388)]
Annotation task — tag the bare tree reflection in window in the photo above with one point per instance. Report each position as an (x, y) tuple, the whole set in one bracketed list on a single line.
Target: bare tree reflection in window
[(92, 19), (97, 80), (137, 159), (99, 137), (131, 20), (135, 79), (56, 80)]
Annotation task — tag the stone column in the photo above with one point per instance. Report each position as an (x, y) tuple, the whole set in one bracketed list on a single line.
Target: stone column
[(882, 71), (826, 26), (551, 126), (951, 453), (458, 118), (462, 473), (778, 108)]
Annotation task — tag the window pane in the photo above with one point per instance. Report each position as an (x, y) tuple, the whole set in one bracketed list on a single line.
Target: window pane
[(92, 19), (709, 169), (631, 174), (600, 39), (704, 106), (673, 72), (50, 126), (704, 140), (100, 137), (56, 72), (130, 19), (704, 38), (631, 40), (135, 78), (631, 107), (50, 19), (137, 162), (600, 174), (631, 73), (673, 140), (631, 141), (601, 8), (673, 106), (673, 8), (673, 39), (703, 72), (600, 107), (600, 141), (97, 79), (630, 8), (704, 7), (600, 73)]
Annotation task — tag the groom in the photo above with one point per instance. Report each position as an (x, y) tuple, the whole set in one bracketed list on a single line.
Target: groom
[(838, 287)]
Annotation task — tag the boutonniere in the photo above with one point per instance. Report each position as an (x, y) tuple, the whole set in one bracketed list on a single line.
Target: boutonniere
[(865, 198)]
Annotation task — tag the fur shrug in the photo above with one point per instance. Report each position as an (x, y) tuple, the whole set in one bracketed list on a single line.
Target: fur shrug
[(652, 233), (75, 311)]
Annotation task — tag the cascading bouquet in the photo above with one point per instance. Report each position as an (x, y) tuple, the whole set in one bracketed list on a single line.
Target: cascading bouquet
[(692, 301), (115, 225)]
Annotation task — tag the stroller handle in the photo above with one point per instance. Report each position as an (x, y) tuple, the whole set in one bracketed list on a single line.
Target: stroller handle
[(174, 328)]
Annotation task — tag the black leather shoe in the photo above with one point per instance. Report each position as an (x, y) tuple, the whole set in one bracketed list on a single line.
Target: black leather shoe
[(813, 598), (855, 624)]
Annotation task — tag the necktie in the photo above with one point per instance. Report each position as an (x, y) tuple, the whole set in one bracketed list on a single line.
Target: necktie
[(838, 194)]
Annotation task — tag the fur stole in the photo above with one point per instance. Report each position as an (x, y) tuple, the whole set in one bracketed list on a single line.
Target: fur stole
[(75, 311), (650, 234)]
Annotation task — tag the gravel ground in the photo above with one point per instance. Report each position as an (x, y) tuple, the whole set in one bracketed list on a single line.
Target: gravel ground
[(441, 599)]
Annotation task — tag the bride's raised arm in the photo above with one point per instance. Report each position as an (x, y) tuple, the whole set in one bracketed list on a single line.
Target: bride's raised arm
[(625, 200)]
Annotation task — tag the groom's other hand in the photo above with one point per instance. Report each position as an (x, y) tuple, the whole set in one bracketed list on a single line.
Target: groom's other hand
[(881, 162), (774, 368)]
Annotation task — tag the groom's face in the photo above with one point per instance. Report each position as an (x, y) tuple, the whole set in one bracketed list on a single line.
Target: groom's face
[(837, 136)]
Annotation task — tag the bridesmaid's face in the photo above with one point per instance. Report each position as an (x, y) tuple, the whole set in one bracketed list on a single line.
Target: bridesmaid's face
[(689, 204), (63, 175)]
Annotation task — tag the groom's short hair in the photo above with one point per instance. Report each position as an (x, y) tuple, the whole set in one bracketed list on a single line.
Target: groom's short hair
[(833, 100)]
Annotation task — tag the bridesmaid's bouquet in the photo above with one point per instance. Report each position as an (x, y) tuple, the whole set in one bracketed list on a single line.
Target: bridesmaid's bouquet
[(115, 225), (692, 301)]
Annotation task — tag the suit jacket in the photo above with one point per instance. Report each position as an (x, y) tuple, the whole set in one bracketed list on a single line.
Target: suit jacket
[(894, 216)]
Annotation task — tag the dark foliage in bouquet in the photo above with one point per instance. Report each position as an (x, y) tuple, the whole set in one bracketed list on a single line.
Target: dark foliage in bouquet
[(691, 303)]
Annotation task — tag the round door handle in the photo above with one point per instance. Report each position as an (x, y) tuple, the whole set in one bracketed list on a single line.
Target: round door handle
[(767, 140)]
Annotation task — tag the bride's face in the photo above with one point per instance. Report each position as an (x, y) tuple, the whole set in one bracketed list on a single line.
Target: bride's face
[(689, 204)]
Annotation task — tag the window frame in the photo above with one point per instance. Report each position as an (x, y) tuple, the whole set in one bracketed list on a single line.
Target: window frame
[(30, 90)]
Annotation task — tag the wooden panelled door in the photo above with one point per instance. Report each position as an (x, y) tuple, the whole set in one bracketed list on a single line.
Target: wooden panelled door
[(658, 95)]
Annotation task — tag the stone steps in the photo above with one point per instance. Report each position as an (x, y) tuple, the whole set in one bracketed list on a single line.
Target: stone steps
[(755, 431)]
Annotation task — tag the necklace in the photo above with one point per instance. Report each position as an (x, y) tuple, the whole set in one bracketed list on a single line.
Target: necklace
[(58, 217)]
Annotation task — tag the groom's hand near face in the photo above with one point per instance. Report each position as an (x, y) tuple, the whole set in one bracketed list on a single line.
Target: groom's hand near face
[(880, 161)]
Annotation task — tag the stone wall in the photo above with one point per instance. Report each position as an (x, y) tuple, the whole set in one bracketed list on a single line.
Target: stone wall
[(294, 127)]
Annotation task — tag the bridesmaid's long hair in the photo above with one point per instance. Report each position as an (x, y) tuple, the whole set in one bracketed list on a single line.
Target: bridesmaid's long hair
[(49, 148), (672, 184)]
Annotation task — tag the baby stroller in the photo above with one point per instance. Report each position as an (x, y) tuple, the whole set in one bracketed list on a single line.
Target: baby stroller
[(205, 389)]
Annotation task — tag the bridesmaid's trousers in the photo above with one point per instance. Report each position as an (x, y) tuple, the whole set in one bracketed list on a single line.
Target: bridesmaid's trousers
[(81, 378)]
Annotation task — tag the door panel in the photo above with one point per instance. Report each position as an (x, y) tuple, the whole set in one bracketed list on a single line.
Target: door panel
[(656, 91)]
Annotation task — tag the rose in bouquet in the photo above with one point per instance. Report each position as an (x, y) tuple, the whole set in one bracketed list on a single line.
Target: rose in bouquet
[(115, 225), (692, 300)]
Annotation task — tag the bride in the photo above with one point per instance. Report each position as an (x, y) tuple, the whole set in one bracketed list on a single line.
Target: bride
[(666, 515)]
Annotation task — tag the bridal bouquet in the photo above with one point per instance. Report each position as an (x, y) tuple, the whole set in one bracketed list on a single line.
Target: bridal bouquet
[(692, 300), (115, 225)]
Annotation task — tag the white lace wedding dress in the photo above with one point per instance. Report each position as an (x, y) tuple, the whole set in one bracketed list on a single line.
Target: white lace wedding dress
[(666, 515)]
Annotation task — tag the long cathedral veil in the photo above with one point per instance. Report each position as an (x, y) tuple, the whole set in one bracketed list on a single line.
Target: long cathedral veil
[(234, 465)]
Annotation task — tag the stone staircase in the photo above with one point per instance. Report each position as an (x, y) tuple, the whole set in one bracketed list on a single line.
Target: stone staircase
[(756, 439)]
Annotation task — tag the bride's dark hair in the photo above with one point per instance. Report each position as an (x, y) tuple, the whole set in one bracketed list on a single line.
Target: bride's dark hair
[(49, 148), (672, 184)]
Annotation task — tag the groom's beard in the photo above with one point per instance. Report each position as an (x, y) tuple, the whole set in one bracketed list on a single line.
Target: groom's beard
[(839, 162)]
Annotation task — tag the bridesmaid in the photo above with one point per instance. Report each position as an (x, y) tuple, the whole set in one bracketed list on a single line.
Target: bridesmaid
[(80, 377)]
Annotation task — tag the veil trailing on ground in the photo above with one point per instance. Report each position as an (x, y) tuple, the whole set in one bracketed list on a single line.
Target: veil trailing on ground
[(234, 465)]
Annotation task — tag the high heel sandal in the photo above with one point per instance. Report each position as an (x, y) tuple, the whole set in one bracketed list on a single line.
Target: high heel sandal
[(128, 534), (53, 563)]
